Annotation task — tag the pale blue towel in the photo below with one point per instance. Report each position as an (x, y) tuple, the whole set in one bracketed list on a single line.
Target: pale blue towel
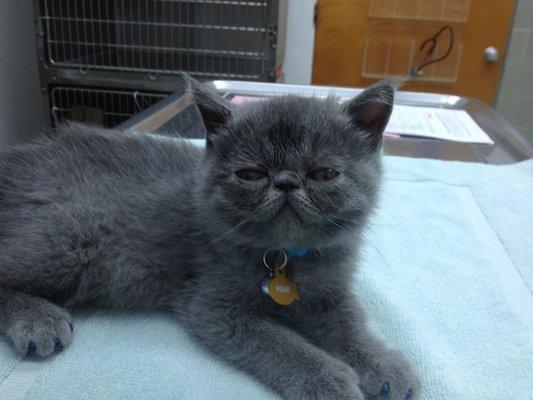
[(447, 276)]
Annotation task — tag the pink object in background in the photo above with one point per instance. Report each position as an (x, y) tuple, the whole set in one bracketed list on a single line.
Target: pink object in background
[(392, 135), (246, 99)]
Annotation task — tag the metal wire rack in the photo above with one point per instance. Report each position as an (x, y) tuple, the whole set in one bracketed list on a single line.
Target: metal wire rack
[(206, 38), (103, 107)]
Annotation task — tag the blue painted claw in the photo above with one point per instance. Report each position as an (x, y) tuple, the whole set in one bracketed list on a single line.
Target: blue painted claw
[(385, 389), (57, 344), (32, 347), (409, 395)]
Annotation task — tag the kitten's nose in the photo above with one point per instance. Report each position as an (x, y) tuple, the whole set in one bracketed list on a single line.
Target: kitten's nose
[(287, 181)]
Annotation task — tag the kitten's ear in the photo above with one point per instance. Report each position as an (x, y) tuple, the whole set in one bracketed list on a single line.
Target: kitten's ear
[(371, 110), (215, 110)]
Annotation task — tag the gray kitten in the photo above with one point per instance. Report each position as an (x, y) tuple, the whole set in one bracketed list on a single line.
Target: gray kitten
[(92, 216)]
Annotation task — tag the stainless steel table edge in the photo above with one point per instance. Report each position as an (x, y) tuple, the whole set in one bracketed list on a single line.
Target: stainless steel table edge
[(509, 144)]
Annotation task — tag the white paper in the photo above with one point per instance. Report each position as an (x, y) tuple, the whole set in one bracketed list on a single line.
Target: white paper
[(438, 123)]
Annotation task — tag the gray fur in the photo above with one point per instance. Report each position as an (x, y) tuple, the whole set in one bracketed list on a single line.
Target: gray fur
[(91, 216)]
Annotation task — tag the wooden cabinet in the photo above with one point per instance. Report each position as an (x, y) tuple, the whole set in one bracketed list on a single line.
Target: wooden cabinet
[(358, 42)]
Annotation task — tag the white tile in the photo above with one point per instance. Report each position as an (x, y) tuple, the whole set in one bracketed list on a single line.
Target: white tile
[(523, 81), (523, 14), (517, 47), (528, 56), (521, 111), (504, 104), (508, 81)]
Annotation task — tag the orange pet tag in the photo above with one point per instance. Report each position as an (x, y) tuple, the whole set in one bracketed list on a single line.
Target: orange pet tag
[(281, 289), (278, 286)]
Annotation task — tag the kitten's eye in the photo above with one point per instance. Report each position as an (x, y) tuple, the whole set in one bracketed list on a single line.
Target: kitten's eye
[(251, 174), (323, 174)]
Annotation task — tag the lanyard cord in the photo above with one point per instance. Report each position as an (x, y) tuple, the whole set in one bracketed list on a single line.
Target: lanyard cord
[(431, 45)]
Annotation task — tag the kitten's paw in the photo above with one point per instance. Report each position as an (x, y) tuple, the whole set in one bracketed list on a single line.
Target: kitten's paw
[(338, 381), (42, 331), (389, 376)]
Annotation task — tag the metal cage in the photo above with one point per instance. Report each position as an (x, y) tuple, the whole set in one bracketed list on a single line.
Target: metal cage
[(102, 107), (206, 38)]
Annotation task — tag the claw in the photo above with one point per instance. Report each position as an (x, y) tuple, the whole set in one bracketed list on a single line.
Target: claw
[(385, 389), (32, 347), (57, 344), (71, 328)]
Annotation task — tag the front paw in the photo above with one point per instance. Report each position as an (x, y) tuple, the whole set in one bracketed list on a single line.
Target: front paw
[(389, 376), (336, 381), (41, 331)]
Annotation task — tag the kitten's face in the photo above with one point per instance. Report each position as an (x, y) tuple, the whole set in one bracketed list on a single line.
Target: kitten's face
[(291, 172)]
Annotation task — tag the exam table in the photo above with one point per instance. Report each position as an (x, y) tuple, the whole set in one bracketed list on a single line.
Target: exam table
[(445, 275), (177, 114)]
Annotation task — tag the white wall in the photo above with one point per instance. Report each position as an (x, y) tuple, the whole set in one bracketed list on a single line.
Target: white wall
[(298, 62), (515, 98), (21, 108)]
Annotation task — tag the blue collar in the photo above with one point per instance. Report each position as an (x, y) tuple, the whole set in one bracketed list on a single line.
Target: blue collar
[(297, 251)]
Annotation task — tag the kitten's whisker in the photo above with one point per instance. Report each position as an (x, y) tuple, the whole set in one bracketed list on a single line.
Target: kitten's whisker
[(245, 220), (367, 242), (316, 213)]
